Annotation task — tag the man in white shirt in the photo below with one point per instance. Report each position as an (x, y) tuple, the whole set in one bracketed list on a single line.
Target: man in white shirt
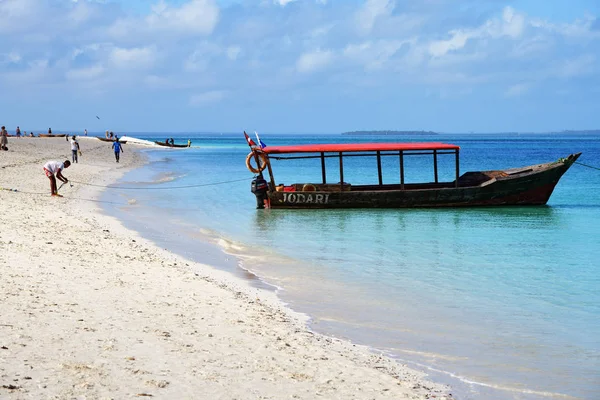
[(53, 170), (74, 148)]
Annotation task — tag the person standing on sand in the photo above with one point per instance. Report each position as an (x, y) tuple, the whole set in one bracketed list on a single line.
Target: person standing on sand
[(49, 131), (75, 148), (53, 170), (117, 148), (85, 132), (18, 132), (3, 139)]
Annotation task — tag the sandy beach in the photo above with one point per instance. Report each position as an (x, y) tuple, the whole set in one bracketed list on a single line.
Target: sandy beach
[(91, 310)]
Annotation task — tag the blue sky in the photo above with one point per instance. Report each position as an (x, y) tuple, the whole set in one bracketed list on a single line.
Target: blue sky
[(319, 66)]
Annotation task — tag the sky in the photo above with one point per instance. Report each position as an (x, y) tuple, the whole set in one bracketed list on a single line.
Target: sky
[(304, 66)]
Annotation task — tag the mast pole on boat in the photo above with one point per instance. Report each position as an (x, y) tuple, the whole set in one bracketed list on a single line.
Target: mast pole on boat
[(379, 168), (271, 177), (457, 162), (323, 174), (401, 169), (341, 173), (435, 166)]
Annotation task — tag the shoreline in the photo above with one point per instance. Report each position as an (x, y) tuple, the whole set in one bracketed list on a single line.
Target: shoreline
[(93, 309)]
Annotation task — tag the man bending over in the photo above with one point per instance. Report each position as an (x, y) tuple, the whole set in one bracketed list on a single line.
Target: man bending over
[(53, 170)]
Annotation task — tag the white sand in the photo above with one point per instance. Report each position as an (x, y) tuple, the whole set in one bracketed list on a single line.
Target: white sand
[(89, 310)]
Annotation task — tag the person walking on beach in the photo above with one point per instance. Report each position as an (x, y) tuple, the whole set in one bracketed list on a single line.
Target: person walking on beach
[(117, 148), (18, 132), (85, 132), (49, 131), (75, 148), (3, 138), (53, 170)]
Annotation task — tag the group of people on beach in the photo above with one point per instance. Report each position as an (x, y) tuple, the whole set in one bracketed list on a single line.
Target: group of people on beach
[(4, 136), (53, 169), (19, 134)]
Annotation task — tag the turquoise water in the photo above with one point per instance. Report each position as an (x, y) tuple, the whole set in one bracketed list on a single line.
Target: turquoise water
[(499, 302)]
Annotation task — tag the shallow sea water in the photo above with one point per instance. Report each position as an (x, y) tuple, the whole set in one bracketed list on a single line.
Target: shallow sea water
[(499, 302)]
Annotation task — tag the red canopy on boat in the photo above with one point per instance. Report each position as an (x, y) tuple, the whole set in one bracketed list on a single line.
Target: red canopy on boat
[(356, 147)]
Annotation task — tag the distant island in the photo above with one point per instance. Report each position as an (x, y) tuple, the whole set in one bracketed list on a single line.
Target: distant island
[(420, 133), (586, 132)]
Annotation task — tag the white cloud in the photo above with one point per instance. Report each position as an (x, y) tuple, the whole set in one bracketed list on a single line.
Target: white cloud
[(206, 98), (457, 41), (10, 9), (310, 62), (373, 55), (88, 73), (19, 15), (371, 11), (195, 17), (10, 58), (580, 28), (134, 58), (517, 90), (35, 72), (283, 3), (579, 66), (233, 52), (80, 13), (202, 56), (511, 24)]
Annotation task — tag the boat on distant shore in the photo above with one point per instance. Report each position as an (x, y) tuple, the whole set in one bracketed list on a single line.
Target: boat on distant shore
[(530, 185), (165, 144), (50, 135), (110, 140)]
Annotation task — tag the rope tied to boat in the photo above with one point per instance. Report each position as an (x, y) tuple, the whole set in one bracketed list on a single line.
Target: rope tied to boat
[(161, 188), (585, 165)]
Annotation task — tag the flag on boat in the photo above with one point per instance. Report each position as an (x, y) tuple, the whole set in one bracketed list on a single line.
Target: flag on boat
[(250, 141), (260, 142)]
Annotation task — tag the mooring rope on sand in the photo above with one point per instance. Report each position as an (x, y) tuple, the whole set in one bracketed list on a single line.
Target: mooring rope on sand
[(161, 188)]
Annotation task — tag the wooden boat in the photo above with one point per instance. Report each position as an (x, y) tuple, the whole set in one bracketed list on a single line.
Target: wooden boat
[(110, 140), (171, 145), (530, 185), (52, 135)]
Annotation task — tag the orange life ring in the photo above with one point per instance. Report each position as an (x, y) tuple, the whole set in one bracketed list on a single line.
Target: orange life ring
[(309, 187), (262, 164)]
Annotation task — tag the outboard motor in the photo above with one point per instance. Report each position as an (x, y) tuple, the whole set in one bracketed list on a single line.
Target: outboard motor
[(259, 187)]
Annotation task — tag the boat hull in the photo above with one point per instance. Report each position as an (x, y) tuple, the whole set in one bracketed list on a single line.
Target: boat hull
[(163, 144), (526, 186), (111, 140)]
